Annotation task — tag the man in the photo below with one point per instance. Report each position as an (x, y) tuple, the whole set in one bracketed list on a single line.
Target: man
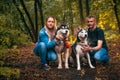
[(97, 47)]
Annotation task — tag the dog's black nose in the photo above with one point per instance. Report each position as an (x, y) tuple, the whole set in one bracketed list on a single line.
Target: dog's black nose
[(85, 35), (66, 31)]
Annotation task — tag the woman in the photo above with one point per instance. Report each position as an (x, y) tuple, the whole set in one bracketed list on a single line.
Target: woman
[(44, 47)]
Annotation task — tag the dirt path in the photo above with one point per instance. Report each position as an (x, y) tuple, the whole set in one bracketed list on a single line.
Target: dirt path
[(29, 66)]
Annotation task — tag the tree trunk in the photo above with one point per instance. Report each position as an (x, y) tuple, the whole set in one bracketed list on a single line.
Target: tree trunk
[(23, 19), (29, 18), (64, 13), (36, 20), (41, 12), (87, 8), (116, 14), (81, 12), (71, 17)]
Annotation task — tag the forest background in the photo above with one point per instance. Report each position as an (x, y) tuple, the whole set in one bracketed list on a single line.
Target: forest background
[(21, 20)]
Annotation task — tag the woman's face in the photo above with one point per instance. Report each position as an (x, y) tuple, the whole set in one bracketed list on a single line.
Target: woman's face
[(50, 23)]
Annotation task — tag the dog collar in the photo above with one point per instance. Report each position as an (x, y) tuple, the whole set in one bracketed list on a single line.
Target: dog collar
[(82, 44)]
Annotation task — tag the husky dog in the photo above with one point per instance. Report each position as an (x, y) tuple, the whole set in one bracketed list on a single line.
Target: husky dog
[(80, 42), (60, 48)]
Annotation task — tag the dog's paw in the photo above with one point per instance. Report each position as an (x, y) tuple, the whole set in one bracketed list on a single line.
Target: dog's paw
[(67, 67), (59, 67), (92, 67), (78, 68)]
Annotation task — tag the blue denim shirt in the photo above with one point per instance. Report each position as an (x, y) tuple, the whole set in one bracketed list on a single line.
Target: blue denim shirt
[(43, 37)]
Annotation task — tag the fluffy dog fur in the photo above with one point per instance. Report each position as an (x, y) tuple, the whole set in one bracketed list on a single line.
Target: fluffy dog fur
[(60, 48), (80, 42)]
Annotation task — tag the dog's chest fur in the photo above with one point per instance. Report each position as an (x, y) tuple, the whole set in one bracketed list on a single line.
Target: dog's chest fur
[(64, 32), (81, 42), (79, 47), (60, 47)]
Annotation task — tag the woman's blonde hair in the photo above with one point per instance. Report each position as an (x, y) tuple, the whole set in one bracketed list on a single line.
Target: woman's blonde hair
[(55, 25)]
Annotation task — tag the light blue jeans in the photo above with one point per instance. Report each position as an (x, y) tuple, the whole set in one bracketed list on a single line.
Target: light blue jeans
[(44, 54), (100, 55)]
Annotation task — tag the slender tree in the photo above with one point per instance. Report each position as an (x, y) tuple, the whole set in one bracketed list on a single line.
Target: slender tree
[(81, 12), (64, 13), (71, 17), (24, 21), (29, 17), (31, 29), (116, 14), (41, 12), (87, 7), (36, 20)]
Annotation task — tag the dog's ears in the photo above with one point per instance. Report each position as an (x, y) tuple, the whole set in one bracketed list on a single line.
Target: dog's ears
[(58, 25), (79, 29), (67, 25), (86, 28)]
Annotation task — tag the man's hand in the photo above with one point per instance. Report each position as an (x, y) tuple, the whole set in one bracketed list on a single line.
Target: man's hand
[(86, 48)]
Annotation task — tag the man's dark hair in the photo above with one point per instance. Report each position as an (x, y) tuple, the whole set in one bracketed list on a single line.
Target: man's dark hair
[(90, 17)]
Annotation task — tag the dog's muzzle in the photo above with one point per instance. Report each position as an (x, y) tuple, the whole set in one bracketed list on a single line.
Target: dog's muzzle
[(66, 32), (86, 36)]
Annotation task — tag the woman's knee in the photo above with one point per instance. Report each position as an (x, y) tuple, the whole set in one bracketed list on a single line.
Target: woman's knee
[(40, 47), (52, 56)]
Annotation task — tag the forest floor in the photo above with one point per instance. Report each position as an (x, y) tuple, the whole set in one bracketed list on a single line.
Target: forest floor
[(30, 69)]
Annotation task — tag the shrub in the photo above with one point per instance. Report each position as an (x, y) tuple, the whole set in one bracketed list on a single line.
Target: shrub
[(112, 35), (11, 37), (9, 73)]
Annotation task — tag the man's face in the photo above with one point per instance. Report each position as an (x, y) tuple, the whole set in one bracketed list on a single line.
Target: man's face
[(91, 22), (50, 23)]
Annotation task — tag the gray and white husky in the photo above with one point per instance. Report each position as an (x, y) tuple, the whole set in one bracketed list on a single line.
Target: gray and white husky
[(80, 42), (60, 48)]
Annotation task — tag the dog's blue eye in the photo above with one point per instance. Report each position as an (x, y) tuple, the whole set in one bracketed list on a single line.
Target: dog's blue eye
[(63, 27), (66, 27)]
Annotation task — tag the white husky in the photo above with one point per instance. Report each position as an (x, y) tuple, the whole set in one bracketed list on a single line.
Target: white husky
[(60, 47), (80, 42)]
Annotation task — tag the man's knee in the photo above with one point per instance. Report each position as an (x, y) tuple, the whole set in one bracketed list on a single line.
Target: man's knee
[(97, 57)]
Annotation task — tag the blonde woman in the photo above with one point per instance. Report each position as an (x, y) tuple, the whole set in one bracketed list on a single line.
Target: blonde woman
[(44, 47)]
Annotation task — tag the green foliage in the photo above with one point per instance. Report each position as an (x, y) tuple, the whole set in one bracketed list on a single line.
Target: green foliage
[(10, 28), (104, 13), (112, 35), (11, 37), (3, 53), (2, 63), (53, 8), (12, 31), (9, 73)]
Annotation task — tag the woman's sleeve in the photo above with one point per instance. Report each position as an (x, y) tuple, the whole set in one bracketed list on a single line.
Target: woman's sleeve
[(44, 38)]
